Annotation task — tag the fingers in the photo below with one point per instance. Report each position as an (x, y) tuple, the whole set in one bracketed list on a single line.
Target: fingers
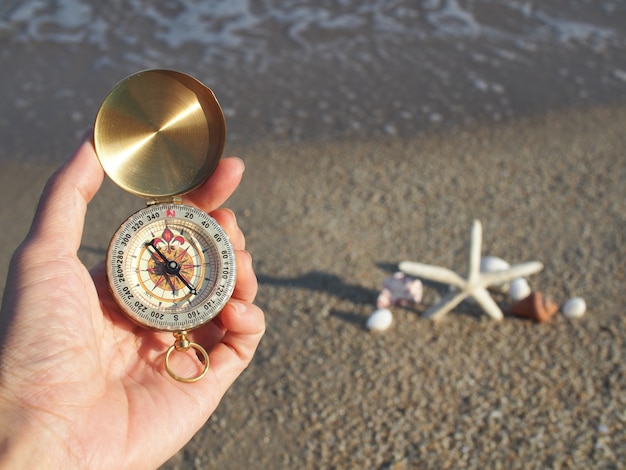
[(246, 286), (233, 336), (244, 293), (219, 187), (241, 323), (239, 326), (228, 221), (245, 325), (61, 212)]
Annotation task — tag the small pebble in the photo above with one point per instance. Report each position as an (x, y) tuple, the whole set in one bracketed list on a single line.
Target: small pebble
[(519, 289), (380, 320), (574, 307)]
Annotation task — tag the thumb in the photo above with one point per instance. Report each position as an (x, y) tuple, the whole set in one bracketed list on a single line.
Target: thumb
[(60, 216)]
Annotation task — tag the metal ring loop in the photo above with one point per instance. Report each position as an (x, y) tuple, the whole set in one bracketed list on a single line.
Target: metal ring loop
[(175, 376)]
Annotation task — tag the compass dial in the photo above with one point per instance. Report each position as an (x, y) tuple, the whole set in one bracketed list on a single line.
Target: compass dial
[(171, 267)]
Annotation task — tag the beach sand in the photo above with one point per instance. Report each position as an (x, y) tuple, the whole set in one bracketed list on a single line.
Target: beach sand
[(326, 222)]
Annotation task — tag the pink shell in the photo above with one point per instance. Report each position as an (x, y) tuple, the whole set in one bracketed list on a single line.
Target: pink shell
[(400, 289)]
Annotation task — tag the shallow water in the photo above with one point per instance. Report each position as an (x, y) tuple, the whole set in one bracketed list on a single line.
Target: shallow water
[(244, 30), (303, 70)]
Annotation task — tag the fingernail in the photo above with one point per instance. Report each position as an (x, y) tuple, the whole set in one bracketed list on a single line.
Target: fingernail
[(243, 164)]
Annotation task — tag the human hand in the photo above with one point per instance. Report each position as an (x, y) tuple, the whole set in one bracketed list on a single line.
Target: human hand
[(80, 385)]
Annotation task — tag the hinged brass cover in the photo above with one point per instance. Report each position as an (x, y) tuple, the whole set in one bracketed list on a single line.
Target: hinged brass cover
[(159, 133)]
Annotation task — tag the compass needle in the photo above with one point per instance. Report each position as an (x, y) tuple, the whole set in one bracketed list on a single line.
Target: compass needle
[(191, 288)]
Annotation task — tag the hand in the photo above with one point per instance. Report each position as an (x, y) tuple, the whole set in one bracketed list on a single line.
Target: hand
[(80, 385)]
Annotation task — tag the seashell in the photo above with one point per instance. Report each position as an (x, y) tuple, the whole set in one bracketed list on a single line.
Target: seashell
[(400, 289), (490, 264), (535, 306), (384, 299), (379, 320), (574, 307), (519, 289)]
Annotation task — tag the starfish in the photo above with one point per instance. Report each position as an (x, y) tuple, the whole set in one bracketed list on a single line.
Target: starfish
[(474, 285)]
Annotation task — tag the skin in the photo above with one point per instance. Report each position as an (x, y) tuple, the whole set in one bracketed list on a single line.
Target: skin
[(80, 385)]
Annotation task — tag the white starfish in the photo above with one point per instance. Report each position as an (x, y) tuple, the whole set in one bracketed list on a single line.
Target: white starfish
[(476, 283)]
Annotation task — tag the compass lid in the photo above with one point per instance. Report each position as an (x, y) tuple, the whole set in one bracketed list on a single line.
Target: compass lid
[(159, 133)]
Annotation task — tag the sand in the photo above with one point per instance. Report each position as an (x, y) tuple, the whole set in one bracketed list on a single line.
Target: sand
[(327, 222), (325, 393)]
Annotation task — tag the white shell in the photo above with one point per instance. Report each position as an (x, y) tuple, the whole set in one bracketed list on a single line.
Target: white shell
[(574, 307), (491, 264), (519, 289), (380, 320)]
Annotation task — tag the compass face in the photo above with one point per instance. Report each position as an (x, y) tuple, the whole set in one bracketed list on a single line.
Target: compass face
[(171, 267)]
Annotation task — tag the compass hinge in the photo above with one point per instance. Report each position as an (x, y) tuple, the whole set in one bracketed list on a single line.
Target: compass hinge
[(164, 200)]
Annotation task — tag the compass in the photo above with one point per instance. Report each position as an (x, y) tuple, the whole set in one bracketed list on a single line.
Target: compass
[(171, 267)]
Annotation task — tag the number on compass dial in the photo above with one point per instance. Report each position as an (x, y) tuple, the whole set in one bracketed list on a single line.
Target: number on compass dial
[(171, 267)]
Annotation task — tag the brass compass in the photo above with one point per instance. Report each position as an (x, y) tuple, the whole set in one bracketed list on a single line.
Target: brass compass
[(171, 267)]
